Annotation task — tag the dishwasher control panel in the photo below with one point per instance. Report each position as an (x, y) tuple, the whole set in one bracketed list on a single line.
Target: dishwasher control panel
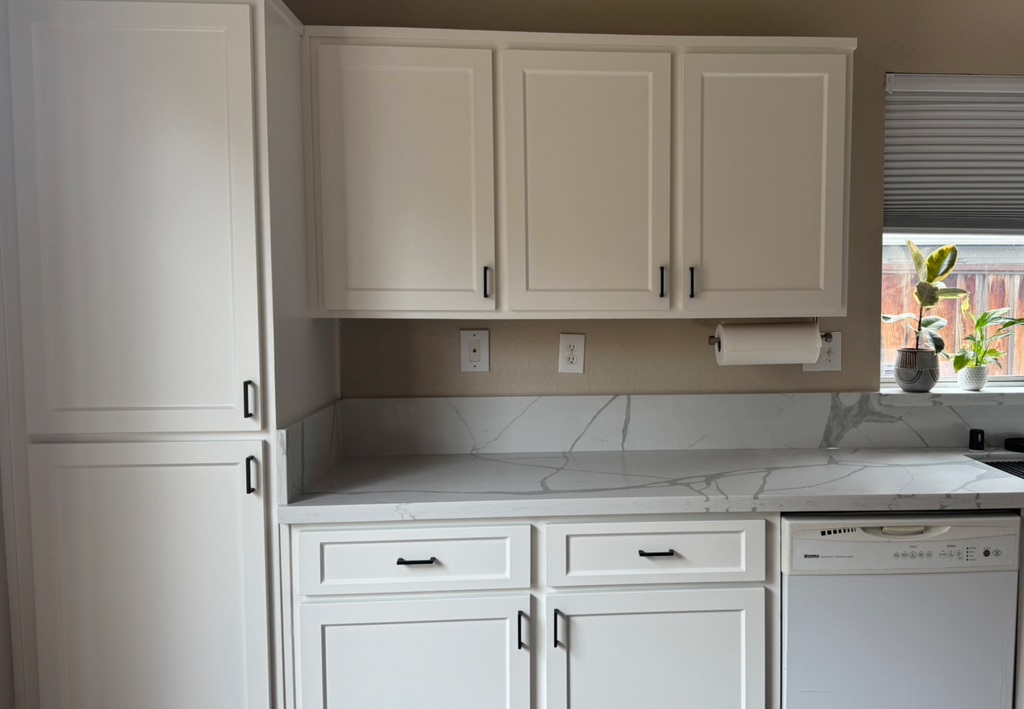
[(894, 555), (922, 544)]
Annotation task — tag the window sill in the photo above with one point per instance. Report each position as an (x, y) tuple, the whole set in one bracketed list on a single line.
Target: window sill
[(949, 394)]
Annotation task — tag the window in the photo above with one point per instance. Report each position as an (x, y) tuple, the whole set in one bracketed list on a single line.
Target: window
[(954, 174), (991, 267)]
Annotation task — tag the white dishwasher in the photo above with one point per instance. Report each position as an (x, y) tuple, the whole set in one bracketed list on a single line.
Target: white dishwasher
[(909, 612)]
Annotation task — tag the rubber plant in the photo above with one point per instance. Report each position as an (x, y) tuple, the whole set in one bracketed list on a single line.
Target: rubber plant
[(976, 349), (929, 292)]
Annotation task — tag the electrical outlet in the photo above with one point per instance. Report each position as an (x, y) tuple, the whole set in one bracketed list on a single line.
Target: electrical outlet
[(831, 357), (476, 350), (570, 353)]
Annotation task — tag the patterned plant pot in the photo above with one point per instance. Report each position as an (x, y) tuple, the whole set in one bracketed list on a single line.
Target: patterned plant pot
[(972, 378), (916, 370)]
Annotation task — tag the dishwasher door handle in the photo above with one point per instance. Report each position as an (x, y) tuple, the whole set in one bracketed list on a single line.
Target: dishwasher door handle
[(903, 531)]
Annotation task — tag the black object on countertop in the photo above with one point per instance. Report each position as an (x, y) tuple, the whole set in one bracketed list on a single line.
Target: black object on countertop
[(1015, 444), (977, 440), (1013, 467)]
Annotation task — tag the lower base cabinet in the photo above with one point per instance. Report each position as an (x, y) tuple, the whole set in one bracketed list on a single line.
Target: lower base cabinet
[(466, 653), (150, 575), (401, 617), (699, 649)]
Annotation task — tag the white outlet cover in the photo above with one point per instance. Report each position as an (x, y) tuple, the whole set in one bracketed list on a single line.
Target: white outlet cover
[(571, 350), (476, 350), (831, 358)]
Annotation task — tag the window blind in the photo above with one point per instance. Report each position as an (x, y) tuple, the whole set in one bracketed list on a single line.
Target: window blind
[(954, 151)]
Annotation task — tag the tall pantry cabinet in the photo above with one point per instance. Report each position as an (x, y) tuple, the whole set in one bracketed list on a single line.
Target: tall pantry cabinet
[(145, 319)]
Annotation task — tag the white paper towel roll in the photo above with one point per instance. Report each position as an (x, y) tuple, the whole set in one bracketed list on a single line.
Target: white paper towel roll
[(780, 343)]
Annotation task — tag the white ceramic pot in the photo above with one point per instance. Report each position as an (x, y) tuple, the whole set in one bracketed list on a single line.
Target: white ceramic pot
[(972, 378)]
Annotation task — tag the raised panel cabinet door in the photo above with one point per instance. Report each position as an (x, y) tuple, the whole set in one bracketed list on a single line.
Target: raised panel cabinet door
[(701, 649), (587, 163), (764, 184), (404, 159), (150, 575), (467, 653), (135, 178)]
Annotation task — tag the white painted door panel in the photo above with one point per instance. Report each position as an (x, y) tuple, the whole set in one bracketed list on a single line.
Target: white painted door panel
[(701, 649), (428, 654), (150, 576), (405, 191), (763, 177), (135, 180), (587, 163)]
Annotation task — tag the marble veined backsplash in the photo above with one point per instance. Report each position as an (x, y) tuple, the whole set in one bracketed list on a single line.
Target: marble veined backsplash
[(439, 426), (370, 427)]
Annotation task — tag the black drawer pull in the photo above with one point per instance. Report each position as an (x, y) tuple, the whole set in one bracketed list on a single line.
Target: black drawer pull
[(670, 552), (662, 282), (520, 624), (693, 279), (246, 386), (249, 488), (487, 290), (417, 562), (555, 624)]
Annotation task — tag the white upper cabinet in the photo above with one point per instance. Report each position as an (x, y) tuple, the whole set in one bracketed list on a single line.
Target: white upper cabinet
[(135, 174), (150, 575), (617, 176), (404, 178), (587, 180), (763, 184)]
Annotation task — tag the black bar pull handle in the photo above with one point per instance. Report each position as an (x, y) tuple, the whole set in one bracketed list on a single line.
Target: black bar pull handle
[(670, 552), (247, 385), (487, 282), (662, 282), (249, 488), (519, 643), (417, 562), (693, 282), (555, 625)]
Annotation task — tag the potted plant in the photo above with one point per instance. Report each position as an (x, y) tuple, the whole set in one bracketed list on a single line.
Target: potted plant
[(917, 367), (976, 352)]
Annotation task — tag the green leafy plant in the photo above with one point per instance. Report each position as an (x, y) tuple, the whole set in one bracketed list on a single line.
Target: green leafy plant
[(976, 349), (929, 292)]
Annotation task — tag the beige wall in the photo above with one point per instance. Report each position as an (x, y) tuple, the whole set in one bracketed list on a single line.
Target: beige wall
[(420, 358)]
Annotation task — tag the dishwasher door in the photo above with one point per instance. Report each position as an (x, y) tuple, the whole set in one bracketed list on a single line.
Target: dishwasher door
[(899, 612), (899, 641)]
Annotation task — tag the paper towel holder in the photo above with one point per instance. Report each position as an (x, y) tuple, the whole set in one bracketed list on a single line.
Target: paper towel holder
[(717, 341)]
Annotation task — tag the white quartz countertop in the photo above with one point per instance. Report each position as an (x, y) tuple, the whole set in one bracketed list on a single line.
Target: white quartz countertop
[(382, 489)]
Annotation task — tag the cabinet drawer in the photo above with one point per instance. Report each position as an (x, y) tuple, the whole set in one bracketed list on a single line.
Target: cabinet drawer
[(655, 552), (390, 561)]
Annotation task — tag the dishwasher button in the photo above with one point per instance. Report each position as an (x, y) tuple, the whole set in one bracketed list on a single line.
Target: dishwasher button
[(997, 552), (913, 555)]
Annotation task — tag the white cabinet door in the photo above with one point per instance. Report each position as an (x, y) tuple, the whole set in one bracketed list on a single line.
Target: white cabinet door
[(763, 180), (702, 649), (405, 186), (150, 575), (429, 654), (133, 127), (587, 162)]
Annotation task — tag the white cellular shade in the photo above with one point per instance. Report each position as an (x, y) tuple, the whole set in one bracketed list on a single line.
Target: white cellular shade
[(954, 151)]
